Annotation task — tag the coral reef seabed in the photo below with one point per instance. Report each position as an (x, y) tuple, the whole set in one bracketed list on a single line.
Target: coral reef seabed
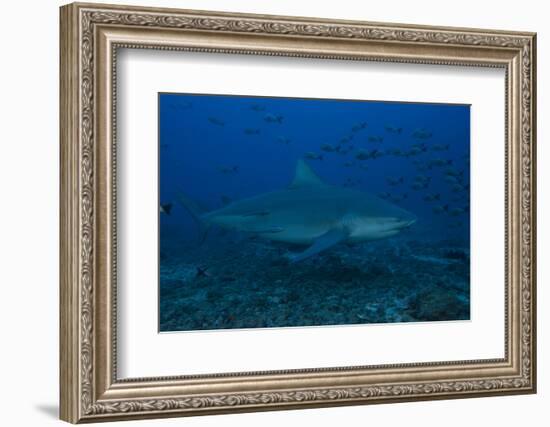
[(245, 283)]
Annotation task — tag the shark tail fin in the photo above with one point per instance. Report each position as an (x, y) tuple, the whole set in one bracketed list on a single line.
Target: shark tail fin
[(196, 211)]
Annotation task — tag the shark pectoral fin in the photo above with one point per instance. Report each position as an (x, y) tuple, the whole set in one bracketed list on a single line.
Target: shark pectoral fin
[(323, 242)]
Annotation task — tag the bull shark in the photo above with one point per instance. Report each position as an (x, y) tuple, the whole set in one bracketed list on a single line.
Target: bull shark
[(308, 212)]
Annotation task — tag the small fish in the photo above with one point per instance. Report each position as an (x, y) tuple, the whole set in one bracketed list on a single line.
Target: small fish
[(440, 147), (257, 107), (359, 126), (166, 208), (417, 185), (457, 211), (313, 156), (216, 121), (384, 196), (392, 129), (394, 181), (439, 162), (414, 151), (330, 148), (432, 197), (283, 140), (376, 139), (346, 139), (439, 209), (364, 167), (349, 164), (422, 146), (422, 133), (456, 224), (395, 152), (273, 118), (228, 169), (457, 188), (362, 155), (350, 182), (252, 131), (375, 154), (202, 272), (451, 179), (398, 198), (453, 172), (422, 178), (164, 146)]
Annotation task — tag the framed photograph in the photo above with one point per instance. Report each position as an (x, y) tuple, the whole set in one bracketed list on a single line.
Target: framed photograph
[(266, 212)]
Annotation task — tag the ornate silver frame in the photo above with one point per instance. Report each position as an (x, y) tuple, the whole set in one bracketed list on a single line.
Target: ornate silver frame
[(90, 36)]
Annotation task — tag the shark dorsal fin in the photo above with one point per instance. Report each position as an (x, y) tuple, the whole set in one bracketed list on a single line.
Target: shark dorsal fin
[(304, 176)]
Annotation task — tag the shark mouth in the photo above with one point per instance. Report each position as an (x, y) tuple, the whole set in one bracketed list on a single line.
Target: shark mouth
[(402, 223)]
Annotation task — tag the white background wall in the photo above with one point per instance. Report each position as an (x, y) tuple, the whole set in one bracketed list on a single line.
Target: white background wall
[(29, 170)]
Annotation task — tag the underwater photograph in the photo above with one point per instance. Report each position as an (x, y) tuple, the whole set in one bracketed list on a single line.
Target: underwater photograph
[(293, 212)]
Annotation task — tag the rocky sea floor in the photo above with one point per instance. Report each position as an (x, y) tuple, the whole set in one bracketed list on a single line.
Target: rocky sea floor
[(228, 284)]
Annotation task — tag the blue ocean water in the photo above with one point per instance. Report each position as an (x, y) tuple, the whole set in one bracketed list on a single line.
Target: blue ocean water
[(216, 150)]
